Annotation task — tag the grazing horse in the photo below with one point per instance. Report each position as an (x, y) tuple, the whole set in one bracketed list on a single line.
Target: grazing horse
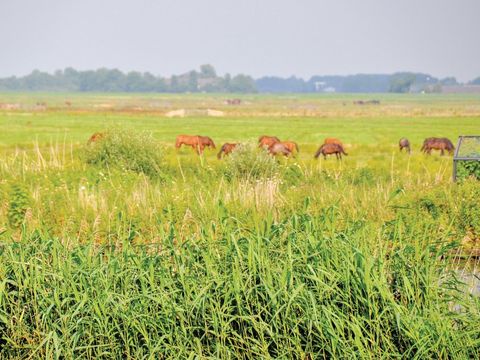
[(329, 149), (434, 143), (267, 141), (197, 142), (291, 146), (226, 149), (279, 149), (233, 101), (404, 144), (206, 141), (96, 137), (332, 141)]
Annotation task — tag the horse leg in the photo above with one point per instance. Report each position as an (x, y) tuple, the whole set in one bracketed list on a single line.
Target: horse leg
[(195, 148), (442, 152)]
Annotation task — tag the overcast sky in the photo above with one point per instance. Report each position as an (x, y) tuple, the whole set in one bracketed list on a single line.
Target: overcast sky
[(257, 37)]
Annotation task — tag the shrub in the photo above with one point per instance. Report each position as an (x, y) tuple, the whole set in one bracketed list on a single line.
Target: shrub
[(466, 169), (248, 162), (127, 150)]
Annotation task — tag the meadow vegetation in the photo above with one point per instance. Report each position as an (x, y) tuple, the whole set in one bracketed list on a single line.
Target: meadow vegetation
[(128, 248)]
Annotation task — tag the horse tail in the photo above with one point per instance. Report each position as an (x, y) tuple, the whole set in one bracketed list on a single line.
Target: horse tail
[(296, 147), (342, 150)]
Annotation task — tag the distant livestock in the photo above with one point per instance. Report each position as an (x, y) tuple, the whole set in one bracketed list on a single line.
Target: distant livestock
[(291, 146), (330, 149), (404, 144), (332, 141), (267, 141), (279, 149), (226, 149), (366, 102), (96, 137), (233, 101), (434, 143), (197, 142)]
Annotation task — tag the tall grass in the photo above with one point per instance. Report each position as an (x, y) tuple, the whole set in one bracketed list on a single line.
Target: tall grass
[(301, 288)]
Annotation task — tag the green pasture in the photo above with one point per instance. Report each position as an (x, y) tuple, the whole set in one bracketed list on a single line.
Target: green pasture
[(133, 249)]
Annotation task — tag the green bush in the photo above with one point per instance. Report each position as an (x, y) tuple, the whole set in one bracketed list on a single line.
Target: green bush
[(127, 150), (467, 169), (249, 162)]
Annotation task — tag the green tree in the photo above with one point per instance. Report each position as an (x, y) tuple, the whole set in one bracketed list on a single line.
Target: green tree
[(193, 81), (401, 83), (475, 81), (208, 71), (242, 84)]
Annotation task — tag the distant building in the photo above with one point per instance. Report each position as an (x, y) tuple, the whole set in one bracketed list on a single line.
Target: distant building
[(321, 86)]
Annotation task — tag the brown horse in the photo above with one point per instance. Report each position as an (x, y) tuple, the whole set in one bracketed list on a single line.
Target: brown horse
[(332, 141), (267, 141), (329, 149), (434, 143), (279, 149), (96, 137), (197, 142), (291, 146), (226, 149), (206, 141), (404, 144), (233, 101)]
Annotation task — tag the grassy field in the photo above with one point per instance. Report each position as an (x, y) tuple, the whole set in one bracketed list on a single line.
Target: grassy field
[(133, 249)]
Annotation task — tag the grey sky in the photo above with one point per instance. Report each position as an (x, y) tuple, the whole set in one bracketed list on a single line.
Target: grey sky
[(257, 37)]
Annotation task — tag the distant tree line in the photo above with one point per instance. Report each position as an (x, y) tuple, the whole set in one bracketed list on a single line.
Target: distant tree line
[(360, 83), (113, 80), (207, 80)]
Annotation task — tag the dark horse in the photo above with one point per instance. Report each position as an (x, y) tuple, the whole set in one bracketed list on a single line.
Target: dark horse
[(329, 149), (434, 143), (226, 149), (404, 144), (197, 142)]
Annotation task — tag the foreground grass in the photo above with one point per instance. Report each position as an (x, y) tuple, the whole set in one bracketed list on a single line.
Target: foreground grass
[(297, 289)]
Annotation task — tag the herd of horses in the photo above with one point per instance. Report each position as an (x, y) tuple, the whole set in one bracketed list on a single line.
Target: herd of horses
[(429, 144), (274, 146)]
